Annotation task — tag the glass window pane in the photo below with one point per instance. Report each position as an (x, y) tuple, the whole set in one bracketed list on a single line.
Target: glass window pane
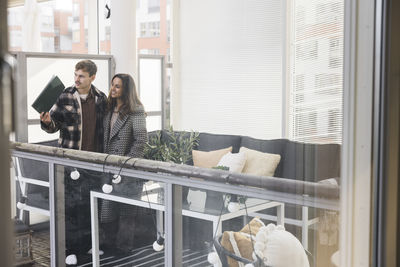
[(266, 80), (152, 32), (104, 28), (153, 123), (62, 27), (126, 216), (150, 85), (316, 71), (36, 134), (32, 197), (270, 73)]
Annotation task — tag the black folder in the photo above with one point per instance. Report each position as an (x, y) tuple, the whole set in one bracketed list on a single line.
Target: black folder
[(49, 95)]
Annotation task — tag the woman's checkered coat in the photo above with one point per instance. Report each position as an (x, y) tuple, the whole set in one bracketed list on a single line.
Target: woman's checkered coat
[(128, 136)]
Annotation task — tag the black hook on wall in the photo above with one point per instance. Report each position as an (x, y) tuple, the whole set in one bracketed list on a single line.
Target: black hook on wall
[(107, 12)]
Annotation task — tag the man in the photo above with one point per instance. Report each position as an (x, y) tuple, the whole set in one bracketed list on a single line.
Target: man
[(78, 115), (78, 112)]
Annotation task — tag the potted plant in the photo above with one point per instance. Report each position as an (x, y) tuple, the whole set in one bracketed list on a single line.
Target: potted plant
[(173, 147)]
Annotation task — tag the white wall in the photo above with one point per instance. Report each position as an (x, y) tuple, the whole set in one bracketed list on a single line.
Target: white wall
[(228, 66)]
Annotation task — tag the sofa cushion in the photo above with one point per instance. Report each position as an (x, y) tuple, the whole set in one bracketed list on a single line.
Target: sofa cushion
[(234, 161), (239, 243), (292, 161), (259, 163), (209, 159), (300, 161), (310, 162), (210, 142), (321, 161), (275, 146)]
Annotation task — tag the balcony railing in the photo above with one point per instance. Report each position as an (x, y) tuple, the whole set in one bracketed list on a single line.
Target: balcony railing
[(172, 179)]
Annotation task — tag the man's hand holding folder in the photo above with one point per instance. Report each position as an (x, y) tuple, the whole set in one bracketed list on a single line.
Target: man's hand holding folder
[(45, 117)]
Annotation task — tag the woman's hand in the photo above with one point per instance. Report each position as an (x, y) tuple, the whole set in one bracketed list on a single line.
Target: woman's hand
[(45, 118)]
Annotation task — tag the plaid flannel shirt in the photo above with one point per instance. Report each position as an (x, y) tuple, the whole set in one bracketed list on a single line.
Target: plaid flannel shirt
[(66, 116)]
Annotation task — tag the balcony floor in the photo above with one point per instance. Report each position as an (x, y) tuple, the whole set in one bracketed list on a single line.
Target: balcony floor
[(41, 248), (144, 256)]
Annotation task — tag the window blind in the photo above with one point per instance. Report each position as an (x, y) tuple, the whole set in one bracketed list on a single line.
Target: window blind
[(231, 67), (316, 71)]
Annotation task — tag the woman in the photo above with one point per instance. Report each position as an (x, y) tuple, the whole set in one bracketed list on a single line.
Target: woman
[(125, 131), (125, 134)]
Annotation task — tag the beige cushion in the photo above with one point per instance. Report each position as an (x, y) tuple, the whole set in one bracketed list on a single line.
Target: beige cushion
[(255, 225), (235, 162), (239, 242), (209, 159), (259, 163)]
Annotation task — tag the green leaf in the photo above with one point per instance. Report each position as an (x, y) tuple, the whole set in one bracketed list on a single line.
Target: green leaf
[(219, 167), (178, 147)]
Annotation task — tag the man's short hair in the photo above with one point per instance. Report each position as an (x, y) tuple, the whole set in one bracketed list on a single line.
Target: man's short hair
[(87, 66)]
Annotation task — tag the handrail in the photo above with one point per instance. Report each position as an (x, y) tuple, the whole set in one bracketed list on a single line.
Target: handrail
[(302, 188)]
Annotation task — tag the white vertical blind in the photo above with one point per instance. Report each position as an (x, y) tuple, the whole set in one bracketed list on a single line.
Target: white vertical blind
[(150, 90), (150, 78), (231, 66), (316, 71)]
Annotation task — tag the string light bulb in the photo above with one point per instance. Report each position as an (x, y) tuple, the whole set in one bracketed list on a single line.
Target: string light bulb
[(108, 187), (213, 258), (158, 245), (75, 175), (116, 179), (233, 206), (22, 203)]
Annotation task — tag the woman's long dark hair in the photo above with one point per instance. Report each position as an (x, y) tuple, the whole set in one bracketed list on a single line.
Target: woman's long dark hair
[(129, 97)]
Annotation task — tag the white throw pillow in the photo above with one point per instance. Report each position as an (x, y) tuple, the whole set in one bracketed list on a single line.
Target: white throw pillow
[(279, 248), (234, 161)]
